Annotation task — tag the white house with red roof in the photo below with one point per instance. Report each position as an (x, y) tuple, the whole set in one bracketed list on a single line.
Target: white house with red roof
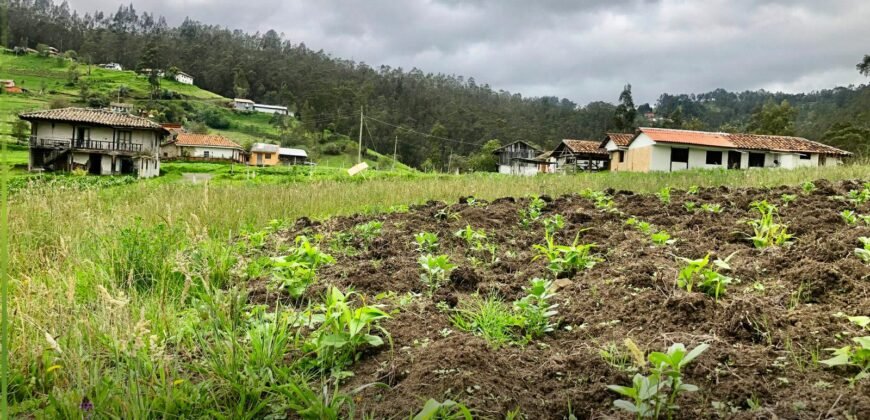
[(662, 149), (201, 147)]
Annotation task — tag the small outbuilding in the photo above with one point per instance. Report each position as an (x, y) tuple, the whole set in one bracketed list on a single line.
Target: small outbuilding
[(263, 154), (210, 147), (584, 155), (288, 156)]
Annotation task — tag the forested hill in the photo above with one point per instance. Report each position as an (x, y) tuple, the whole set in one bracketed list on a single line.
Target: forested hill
[(327, 92)]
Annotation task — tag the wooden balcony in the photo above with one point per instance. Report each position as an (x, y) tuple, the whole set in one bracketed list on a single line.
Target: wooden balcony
[(84, 144)]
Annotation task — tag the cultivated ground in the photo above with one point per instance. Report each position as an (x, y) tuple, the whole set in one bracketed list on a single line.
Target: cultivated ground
[(767, 332)]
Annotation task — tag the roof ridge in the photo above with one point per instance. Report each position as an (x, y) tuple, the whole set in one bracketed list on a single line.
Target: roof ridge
[(680, 129)]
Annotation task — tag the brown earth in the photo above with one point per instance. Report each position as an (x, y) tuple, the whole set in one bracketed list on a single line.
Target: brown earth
[(764, 344)]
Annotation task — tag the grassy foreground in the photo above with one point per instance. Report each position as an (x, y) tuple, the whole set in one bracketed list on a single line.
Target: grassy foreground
[(116, 297)]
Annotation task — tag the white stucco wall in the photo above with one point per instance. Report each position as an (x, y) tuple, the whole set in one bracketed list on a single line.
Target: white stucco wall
[(64, 131), (213, 152)]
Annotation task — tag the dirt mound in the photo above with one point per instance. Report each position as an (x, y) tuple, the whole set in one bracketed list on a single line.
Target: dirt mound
[(766, 334)]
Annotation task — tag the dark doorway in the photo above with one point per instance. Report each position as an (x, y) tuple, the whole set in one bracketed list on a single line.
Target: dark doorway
[(756, 160), (95, 164), (734, 159), (126, 166), (82, 135)]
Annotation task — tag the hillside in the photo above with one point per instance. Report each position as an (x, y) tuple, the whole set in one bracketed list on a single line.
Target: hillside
[(49, 81)]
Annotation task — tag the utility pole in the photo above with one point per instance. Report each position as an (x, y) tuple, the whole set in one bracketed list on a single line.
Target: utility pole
[(359, 153), (395, 148)]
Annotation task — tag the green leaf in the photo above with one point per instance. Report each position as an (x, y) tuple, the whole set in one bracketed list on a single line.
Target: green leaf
[(838, 360), (373, 340), (623, 390), (333, 340), (694, 353), (625, 405)]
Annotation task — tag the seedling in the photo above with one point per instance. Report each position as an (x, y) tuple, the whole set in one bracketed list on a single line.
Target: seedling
[(602, 200), (567, 259), (367, 232), (532, 213), (855, 356), (706, 275), (849, 216), (474, 239), (808, 187), (662, 238), (656, 394), (535, 310), (436, 269), (664, 195), (693, 190), (489, 317), (859, 197), (553, 224), (712, 208), (446, 410), (690, 206), (446, 214), (787, 199), (643, 227), (296, 271), (766, 231), (427, 242), (864, 252)]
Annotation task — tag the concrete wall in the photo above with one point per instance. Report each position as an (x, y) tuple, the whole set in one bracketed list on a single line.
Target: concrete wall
[(213, 152)]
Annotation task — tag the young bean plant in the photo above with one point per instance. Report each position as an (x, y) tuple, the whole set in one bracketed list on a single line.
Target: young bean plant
[(712, 208), (643, 227), (535, 310), (690, 206), (553, 224), (474, 239), (766, 231), (427, 242), (664, 195), (296, 271), (532, 213), (849, 217), (808, 187), (436, 270), (706, 275), (662, 238), (656, 394), (567, 259), (788, 199)]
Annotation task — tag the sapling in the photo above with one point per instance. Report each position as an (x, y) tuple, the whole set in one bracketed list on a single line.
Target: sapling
[(436, 269), (427, 242)]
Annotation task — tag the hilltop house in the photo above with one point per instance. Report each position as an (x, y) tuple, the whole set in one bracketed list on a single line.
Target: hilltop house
[(99, 141), (201, 147), (288, 156), (519, 158), (263, 154), (661, 149), (588, 155)]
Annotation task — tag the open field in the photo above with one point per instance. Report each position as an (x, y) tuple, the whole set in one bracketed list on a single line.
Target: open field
[(133, 297)]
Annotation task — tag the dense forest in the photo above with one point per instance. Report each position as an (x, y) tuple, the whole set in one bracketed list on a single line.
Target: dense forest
[(433, 115)]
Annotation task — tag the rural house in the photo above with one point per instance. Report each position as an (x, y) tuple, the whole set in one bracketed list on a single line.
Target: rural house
[(247, 105), (586, 155), (263, 154), (182, 77), (662, 149), (201, 147), (99, 141), (518, 158), (288, 156), (616, 144)]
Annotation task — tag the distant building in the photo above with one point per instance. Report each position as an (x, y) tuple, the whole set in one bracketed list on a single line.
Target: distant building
[(240, 104), (288, 156), (182, 77), (121, 107), (518, 158), (201, 147), (247, 105), (662, 149), (585, 155), (112, 66), (99, 141), (263, 154)]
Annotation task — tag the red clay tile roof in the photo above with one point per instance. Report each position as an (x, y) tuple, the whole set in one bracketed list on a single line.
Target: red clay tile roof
[(700, 138), (741, 141), (93, 116), (590, 147), (783, 144), (621, 139), (208, 140)]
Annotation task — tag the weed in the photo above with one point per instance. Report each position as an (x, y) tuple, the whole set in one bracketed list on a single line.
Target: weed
[(662, 238), (489, 317), (474, 239), (296, 271), (766, 232), (864, 252), (712, 208), (614, 356), (664, 195), (656, 394), (535, 310), (436, 269), (532, 213), (427, 242), (706, 275), (849, 216)]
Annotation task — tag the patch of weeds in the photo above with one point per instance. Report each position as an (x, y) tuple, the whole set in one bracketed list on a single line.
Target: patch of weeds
[(662, 238), (427, 242), (296, 271), (567, 259), (436, 270), (532, 213), (766, 231), (656, 394), (706, 275), (489, 317)]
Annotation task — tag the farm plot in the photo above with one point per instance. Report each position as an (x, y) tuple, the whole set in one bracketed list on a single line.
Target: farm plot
[(540, 304)]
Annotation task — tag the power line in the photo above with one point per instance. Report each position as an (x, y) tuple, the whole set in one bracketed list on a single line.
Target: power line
[(420, 133)]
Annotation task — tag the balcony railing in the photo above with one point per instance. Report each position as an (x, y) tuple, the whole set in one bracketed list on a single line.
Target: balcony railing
[(55, 143)]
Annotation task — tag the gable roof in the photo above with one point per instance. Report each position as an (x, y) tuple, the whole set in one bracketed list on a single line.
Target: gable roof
[(207, 140), (264, 148), (740, 141), (244, 101), (529, 145), (588, 147), (93, 116), (620, 139)]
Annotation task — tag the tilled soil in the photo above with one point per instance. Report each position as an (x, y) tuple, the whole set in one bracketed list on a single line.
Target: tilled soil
[(766, 334)]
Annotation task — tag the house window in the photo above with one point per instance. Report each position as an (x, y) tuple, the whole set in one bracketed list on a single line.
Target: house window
[(714, 158), (756, 160), (621, 156), (268, 156), (205, 154), (679, 155), (804, 156), (124, 136)]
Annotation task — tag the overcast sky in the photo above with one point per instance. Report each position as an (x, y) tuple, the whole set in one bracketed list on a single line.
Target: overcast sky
[(584, 50)]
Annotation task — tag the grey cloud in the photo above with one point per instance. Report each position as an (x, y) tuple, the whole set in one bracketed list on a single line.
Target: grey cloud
[(582, 50)]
